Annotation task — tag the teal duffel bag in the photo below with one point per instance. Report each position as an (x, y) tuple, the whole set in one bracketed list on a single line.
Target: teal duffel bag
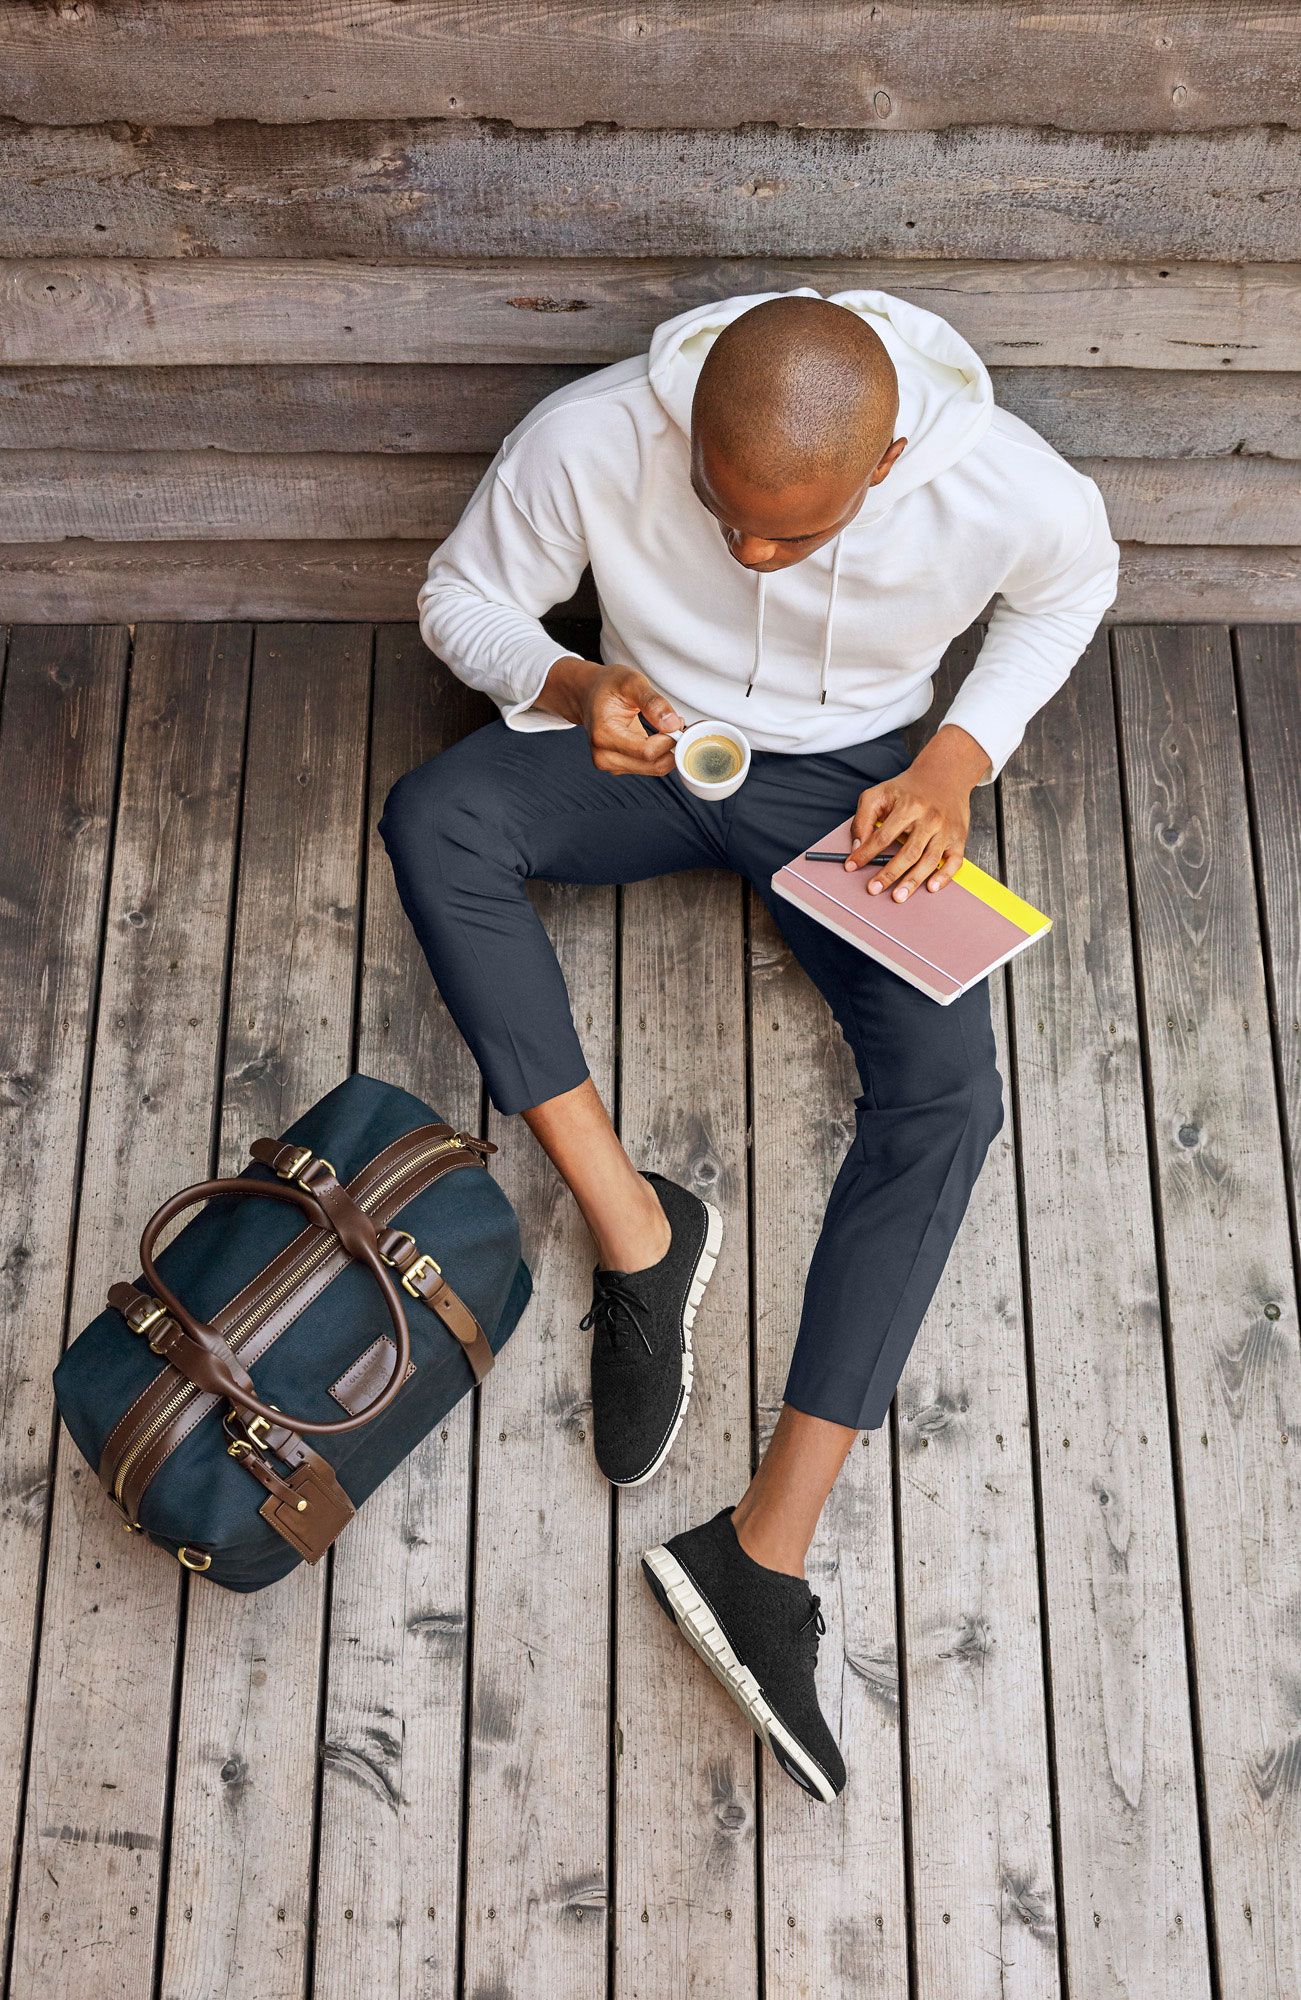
[(299, 1336)]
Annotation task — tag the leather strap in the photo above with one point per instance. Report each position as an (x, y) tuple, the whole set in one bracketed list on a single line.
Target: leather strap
[(310, 1508), (204, 1358), (423, 1277)]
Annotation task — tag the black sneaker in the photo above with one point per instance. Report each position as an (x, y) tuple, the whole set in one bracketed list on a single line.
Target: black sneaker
[(641, 1340), (757, 1629)]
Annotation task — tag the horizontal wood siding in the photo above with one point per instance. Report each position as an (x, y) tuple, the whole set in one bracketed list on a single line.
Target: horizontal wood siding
[(324, 579), (918, 65), (438, 188), (292, 272), (111, 312), (470, 406), (202, 495)]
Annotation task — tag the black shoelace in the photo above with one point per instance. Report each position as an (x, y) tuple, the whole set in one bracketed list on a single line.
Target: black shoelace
[(615, 1308), (815, 1619)]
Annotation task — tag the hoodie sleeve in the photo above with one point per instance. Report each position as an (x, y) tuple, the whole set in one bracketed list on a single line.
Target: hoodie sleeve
[(517, 550), (1048, 608)]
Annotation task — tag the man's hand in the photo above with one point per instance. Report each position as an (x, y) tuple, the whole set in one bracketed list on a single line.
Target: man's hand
[(925, 812), (609, 702)]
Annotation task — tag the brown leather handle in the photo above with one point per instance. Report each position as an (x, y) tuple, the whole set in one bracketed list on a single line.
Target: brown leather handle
[(204, 1357)]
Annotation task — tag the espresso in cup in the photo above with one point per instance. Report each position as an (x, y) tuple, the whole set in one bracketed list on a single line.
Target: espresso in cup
[(712, 760)]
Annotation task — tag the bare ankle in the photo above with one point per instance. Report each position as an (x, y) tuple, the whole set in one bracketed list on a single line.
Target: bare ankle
[(639, 1237), (766, 1545)]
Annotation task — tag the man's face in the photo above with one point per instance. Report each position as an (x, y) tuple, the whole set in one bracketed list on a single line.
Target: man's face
[(767, 531)]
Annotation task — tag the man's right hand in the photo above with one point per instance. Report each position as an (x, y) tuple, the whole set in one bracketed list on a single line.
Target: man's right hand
[(609, 702)]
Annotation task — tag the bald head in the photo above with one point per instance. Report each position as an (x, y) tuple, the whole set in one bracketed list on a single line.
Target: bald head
[(796, 391)]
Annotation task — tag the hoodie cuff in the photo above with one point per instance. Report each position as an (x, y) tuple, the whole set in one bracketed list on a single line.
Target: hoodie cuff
[(997, 735), (521, 714)]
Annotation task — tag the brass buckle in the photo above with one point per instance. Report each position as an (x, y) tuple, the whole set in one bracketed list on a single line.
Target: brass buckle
[(195, 1559), (143, 1325), (423, 1265), (296, 1165), (408, 1243), (255, 1434)]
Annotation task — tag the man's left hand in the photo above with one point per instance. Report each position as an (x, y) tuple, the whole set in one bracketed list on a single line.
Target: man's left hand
[(925, 813)]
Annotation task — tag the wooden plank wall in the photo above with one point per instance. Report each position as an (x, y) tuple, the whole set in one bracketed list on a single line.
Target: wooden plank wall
[(275, 278)]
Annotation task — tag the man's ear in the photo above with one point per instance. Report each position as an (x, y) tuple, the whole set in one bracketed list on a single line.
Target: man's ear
[(889, 457)]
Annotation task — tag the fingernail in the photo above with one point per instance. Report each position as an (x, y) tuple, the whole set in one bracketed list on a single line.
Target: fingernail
[(874, 888), (901, 895)]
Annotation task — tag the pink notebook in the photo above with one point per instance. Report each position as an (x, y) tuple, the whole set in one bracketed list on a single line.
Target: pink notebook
[(942, 942)]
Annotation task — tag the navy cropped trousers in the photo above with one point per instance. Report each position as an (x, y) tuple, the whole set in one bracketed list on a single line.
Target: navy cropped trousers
[(466, 831)]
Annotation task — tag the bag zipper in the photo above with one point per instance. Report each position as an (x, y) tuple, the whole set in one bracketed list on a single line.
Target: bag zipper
[(235, 1336)]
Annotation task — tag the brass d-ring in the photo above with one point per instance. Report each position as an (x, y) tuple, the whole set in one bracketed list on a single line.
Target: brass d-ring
[(196, 1559)]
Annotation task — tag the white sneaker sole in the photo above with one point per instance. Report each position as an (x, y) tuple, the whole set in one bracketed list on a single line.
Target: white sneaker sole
[(700, 1277), (677, 1594)]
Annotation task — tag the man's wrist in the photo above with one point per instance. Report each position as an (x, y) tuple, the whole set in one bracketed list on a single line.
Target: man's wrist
[(564, 691), (955, 753)]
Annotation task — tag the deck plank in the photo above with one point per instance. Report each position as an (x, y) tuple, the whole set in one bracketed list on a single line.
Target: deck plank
[(828, 1871), (1269, 667), (1134, 1913), (1229, 1281), (980, 1822), (684, 1834), (96, 1806), (1158, 1463), (537, 1889), (59, 735), (388, 1896), (245, 1790)]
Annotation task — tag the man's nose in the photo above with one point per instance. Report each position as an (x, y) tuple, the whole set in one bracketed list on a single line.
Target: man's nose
[(750, 550)]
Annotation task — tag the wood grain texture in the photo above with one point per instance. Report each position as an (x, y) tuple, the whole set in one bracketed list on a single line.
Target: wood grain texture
[(1143, 413), (116, 311), (59, 733), (247, 1742), (1226, 502), (431, 188), (686, 1911), (104, 581), (95, 1817), (984, 1900), (537, 1876), (1269, 671), (1230, 1285), (1113, 68), (835, 1920), (387, 1910), (337, 496), (462, 406), (1127, 1815)]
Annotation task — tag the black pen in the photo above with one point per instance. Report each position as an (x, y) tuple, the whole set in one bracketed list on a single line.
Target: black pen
[(825, 854)]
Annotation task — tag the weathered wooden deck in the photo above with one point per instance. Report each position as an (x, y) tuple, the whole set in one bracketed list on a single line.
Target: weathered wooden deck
[(467, 1756)]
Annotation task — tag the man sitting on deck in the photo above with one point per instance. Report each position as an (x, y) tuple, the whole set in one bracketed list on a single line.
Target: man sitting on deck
[(791, 506)]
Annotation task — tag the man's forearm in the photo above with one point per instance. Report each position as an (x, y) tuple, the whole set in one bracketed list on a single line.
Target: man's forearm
[(953, 753), (565, 688)]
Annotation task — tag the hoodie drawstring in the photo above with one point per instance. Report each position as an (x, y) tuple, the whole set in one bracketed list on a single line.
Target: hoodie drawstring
[(831, 620), (761, 592), (828, 632)]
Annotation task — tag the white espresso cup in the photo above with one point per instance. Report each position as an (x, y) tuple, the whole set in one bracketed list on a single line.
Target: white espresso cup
[(722, 788)]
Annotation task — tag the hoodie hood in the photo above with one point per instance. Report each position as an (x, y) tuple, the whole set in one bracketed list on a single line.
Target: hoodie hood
[(946, 400), (946, 403)]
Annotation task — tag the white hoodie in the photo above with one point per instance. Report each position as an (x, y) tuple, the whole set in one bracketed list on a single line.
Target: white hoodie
[(841, 646)]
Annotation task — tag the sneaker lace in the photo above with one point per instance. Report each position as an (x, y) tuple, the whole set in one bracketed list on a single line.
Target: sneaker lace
[(616, 1307), (815, 1619)]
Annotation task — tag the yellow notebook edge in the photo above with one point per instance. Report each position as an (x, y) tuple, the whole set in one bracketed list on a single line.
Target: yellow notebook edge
[(1002, 899)]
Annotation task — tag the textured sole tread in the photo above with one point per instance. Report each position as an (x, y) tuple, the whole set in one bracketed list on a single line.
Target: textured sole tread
[(679, 1599)]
